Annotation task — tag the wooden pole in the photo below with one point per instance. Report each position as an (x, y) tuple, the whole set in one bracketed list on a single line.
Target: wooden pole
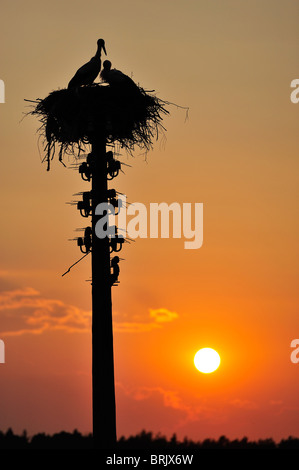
[(104, 416)]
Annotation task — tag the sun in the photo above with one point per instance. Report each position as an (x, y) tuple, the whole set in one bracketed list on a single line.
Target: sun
[(207, 360)]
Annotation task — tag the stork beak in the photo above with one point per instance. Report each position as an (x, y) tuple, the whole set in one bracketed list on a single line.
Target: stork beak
[(104, 49)]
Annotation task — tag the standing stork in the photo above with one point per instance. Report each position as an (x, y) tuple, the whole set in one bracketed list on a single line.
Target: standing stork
[(86, 74)]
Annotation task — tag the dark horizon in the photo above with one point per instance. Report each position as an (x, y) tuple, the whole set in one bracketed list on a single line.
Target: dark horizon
[(145, 440)]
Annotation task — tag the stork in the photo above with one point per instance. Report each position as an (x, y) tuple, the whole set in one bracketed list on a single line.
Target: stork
[(86, 74), (115, 77)]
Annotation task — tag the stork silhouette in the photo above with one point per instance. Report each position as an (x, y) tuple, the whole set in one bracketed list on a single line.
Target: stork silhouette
[(86, 74), (115, 77)]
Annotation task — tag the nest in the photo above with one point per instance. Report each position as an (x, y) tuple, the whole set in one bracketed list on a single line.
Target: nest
[(72, 118)]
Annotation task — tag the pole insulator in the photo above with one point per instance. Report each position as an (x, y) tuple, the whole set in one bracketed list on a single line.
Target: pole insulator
[(85, 206), (85, 243)]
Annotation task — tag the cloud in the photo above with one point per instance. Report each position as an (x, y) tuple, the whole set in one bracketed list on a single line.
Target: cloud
[(276, 402), (162, 315), (170, 398), (155, 320), (26, 311), (243, 403)]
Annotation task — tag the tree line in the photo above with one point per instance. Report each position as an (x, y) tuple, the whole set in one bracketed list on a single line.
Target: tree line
[(143, 440)]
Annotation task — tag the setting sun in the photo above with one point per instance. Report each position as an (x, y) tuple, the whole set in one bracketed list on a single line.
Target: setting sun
[(206, 360)]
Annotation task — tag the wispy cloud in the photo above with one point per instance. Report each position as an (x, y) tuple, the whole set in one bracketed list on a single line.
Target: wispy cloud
[(244, 403), (162, 315), (170, 398), (26, 311), (154, 320)]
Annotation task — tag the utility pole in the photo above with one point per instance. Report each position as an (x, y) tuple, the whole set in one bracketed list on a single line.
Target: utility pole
[(104, 425), (96, 169)]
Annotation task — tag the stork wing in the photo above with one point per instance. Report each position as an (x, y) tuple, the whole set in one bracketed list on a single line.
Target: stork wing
[(86, 74)]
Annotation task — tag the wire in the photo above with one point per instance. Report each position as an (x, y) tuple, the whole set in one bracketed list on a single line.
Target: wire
[(74, 264)]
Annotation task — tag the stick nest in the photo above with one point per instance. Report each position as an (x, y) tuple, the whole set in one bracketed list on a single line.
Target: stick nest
[(72, 118)]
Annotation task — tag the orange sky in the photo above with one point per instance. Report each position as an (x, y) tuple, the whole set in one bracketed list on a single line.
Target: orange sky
[(231, 63)]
